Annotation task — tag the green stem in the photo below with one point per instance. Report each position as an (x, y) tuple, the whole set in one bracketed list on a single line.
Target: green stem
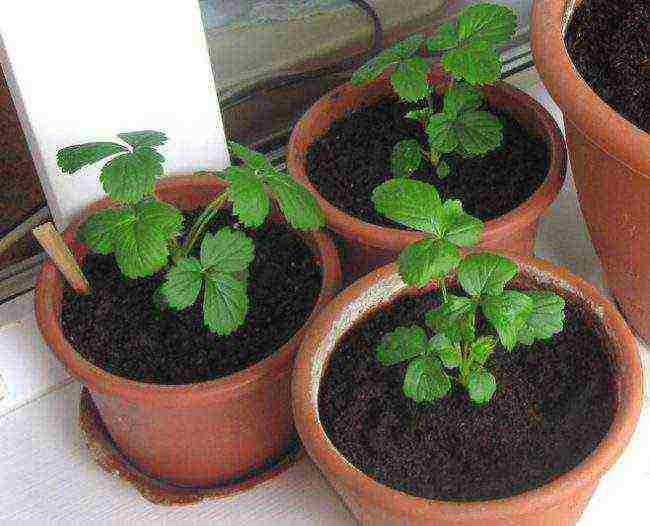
[(202, 222), (443, 290)]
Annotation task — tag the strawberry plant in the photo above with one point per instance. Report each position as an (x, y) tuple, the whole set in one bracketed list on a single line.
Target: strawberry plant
[(464, 127), (456, 353), (146, 235)]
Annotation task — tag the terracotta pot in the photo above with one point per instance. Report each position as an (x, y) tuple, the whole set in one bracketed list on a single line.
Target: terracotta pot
[(198, 435), (610, 160), (559, 503), (367, 246)]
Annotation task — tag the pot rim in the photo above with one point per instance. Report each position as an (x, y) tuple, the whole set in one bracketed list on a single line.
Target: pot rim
[(320, 342), (49, 288), (394, 239), (605, 127)]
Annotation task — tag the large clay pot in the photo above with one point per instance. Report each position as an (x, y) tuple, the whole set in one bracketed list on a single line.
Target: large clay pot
[(200, 435), (610, 160), (367, 246), (558, 503)]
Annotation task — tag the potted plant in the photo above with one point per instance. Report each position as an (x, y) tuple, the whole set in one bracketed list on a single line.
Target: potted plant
[(483, 142), (600, 85), (451, 426), (186, 345)]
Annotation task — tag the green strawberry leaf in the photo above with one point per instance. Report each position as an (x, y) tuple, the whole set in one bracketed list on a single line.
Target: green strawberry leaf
[(461, 97), (508, 312), (485, 274), (403, 344), (406, 157), (457, 226), (546, 318), (141, 243), (425, 381), (478, 132), (490, 23), (297, 203), (475, 62), (426, 260), (75, 157), (481, 386), (442, 133), (183, 283), (225, 302), (255, 160), (445, 38), (482, 349), (146, 138), (98, 231), (250, 202), (227, 251), (410, 79), (443, 170), (456, 318), (421, 115), (408, 202), (389, 57), (131, 176), (409, 46), (448, 352)]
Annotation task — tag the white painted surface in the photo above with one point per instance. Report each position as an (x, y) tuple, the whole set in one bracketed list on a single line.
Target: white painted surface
[(27, 366), (46, 476), (83, 70)]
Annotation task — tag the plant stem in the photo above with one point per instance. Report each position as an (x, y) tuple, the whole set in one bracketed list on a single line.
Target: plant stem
[(202, 222), (443, 290)]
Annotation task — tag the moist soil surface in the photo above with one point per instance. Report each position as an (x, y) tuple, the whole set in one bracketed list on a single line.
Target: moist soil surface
[(609, 43), (353, 158), (553, 405), (117, 327)]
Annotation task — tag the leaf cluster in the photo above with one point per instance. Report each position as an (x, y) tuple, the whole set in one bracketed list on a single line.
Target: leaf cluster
[(456, 353), (143, 232), (469, 46)]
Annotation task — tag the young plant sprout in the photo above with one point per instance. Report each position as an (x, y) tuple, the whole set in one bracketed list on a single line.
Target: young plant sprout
[(469, 55), (145, 233), (456, 352)]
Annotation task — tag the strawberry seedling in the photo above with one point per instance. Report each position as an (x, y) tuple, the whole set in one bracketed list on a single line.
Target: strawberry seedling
[(146, 235)]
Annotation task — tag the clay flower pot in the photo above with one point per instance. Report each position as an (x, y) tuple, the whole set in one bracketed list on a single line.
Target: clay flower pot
[(610, 160), (558, 503), (367, 246), (200, 435)]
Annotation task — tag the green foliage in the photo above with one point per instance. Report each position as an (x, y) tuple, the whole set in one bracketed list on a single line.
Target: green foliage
[(406, 157), (138, 235), (455, 351), (417, 205), (144, 232), (224, 256), (469, 46), (130, 176), (470, 42), (251, 184)]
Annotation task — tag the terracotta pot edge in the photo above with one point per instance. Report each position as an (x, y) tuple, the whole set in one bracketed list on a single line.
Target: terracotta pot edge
[(588, 473)]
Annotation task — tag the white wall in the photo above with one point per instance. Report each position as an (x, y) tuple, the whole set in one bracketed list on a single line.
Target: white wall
[(83, 70)]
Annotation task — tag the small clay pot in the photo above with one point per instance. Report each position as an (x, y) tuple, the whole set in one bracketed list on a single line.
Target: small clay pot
[(610, 160), (200, 435), (367, 246), (558, 503)]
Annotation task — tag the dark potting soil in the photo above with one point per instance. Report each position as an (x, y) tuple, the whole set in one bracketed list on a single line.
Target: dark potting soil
[(553, 405), (609, 43), (117, 327), (353, 158)]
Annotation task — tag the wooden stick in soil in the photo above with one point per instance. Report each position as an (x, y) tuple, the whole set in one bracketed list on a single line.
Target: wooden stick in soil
[(53, 244)]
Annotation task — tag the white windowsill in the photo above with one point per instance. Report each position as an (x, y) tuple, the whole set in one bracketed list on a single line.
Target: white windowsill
[(47, 477)]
